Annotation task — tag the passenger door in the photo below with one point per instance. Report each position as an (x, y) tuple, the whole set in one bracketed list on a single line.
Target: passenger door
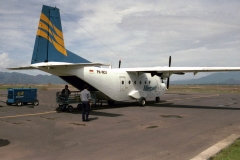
[(122, 83)]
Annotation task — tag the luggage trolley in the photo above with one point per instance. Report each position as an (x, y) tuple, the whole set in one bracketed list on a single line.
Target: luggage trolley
[(64, 102)]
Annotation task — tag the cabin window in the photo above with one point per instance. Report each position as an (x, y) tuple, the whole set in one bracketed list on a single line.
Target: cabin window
[(145, 82), (135, 82), (149, 82), (140, 82), (122, 82), (129, 82)]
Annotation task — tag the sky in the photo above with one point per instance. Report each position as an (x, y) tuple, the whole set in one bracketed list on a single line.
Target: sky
[(142, 33)]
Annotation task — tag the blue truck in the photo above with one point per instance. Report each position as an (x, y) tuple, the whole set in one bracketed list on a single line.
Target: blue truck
[(22, 96)]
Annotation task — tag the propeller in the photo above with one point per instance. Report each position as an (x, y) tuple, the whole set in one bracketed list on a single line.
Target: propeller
[(119, 64), (169, 64)]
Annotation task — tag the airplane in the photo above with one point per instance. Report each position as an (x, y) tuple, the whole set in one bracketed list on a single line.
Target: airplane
[(111, 84)]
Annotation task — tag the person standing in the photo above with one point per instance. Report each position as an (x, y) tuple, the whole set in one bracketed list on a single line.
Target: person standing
[(66, 92), (64, 96), (86, 101)]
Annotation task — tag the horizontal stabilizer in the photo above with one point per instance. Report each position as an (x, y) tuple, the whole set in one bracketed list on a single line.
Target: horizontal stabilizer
[(59, 65), (22, 68)]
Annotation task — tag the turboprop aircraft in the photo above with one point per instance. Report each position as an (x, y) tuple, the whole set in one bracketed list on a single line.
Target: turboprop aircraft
[(119, 84)]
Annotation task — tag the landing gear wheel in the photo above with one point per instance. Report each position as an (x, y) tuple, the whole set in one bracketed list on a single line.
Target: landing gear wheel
[(36, 103), (18, 103), (142, 101), (157, 99), (70, 108)]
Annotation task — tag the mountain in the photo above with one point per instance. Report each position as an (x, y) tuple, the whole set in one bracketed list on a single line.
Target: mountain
[(20, 78), (215, 78)]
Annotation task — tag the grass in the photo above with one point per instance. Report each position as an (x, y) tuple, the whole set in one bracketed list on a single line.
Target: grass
[(230, 153), (38, 86), (4, 87), (205, 88)]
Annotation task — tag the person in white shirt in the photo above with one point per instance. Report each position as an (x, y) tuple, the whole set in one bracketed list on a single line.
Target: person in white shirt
[(86, 101)]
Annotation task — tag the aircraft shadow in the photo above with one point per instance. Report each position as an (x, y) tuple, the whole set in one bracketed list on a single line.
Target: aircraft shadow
[(172, 105), (92, 112), (164, 104), (98, 110), (104, 114)]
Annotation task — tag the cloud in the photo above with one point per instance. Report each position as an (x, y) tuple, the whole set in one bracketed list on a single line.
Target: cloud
[(7, 62), (4, 61), (141, 33)]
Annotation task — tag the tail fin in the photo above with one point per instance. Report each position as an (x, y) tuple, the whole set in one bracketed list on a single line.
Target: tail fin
[(49, 44)]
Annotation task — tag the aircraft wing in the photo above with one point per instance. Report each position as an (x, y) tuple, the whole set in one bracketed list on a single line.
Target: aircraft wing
[(58, 65), (167, 71)]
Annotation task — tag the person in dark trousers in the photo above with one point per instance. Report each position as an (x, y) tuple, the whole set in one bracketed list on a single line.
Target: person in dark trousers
[(64, 96), (86, 102)]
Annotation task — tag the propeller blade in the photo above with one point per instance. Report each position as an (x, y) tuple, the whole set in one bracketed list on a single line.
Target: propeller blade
[(119, 64), (169, 64), (170, 59), (168, 82)]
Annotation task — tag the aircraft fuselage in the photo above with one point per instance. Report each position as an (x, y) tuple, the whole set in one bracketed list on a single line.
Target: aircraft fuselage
[(116, 84)]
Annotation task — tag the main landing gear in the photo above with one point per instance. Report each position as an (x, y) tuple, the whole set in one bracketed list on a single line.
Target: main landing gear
[(142, 101)]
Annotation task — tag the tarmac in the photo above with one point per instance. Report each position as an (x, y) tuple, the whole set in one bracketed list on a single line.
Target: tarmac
[(183, 125)]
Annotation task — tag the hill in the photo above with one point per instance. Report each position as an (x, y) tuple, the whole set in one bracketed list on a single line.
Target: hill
[(224, 78), (20, 78)]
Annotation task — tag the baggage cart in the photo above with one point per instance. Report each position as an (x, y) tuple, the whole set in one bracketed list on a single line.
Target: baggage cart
[(64, 102)]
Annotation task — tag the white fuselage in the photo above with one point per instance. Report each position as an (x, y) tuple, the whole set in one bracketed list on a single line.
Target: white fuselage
[(117, 84)]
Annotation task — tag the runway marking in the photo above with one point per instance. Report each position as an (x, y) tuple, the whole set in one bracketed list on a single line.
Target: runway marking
[(213, 95), (25, 115)]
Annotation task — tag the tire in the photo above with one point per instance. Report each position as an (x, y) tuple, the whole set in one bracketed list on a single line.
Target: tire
[(63, 107), (157, 99), (18, 103), (9, 104), (36, 103), (79, 106), (142, 101), (110, 102), (70, 108)]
